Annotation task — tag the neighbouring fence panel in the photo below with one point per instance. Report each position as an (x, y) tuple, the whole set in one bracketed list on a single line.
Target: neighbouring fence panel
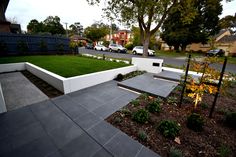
[(17, 44)]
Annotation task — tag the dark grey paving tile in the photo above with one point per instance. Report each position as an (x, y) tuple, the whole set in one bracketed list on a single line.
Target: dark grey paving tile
[(65, 134), (87, 121), (41, 147), (102, 153), (122, 145), (5, 146), (83, 146), (13, 120), (70, 107), (27, 134), (54, 154), (49, 115), (102, 132), (145, 152)]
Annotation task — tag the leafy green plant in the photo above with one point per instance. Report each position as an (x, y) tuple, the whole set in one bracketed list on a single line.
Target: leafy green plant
[(135, 103), (117, 120), (230, 119), (172, 100), (204, 106), (195, 122), (224, 151), (126, 111), (119, 77), (129, 46), (154, 106), (22, 47), (142, 135), (175, 152), (140, 116), (168, 128), (144, 96)]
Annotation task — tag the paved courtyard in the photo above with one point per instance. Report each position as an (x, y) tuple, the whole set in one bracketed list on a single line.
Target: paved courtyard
[(70, 126)]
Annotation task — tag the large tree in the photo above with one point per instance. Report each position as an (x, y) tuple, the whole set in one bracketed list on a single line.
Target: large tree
[(76, 28), (96, 31), (228, 22), (35, 27), (53, 25), (205, 23)]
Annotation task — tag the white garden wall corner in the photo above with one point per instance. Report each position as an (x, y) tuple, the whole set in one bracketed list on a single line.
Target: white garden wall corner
[(2, 102), (12, 67), (148, 64)]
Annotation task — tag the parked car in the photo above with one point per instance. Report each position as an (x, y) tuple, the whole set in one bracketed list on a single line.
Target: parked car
[(89, 46), (216, 52), (101, 48), (117, 48), (139, 50)]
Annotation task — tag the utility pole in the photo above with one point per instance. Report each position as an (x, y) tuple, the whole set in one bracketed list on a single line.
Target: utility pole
[(111, 34)]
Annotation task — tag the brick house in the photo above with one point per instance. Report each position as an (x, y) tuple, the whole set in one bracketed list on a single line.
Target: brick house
[(121, 37)]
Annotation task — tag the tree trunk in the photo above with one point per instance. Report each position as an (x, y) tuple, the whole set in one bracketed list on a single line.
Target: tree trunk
[(176, 47), (183, 48), (146, 44)]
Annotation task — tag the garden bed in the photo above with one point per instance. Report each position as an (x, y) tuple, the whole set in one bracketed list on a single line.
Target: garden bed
[(216, 139)]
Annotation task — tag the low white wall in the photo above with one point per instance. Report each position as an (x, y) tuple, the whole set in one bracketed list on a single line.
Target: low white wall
[(2, 101), (12, 67), (181, 71), (148, 64), (84, 81), (49, 77)]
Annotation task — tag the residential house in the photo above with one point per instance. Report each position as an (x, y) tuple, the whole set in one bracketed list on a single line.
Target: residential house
[(121, 37), (228, 43)]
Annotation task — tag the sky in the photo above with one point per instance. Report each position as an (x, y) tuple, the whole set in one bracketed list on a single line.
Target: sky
[(69, 11)]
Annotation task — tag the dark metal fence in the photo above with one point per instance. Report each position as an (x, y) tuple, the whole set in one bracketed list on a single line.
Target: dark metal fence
[(17, 44)]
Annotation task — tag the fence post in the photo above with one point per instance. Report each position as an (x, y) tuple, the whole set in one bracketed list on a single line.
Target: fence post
[(185, 80), (218, 88)]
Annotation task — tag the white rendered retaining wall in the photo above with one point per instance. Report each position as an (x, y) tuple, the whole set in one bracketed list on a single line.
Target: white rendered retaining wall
[(67, 85), (2, 101), (148, 64)]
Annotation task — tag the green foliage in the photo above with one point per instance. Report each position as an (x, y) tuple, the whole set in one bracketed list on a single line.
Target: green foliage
[(3, 46), (224, 151), (133, 74), (227, 22), (172, 100), (76, 29), (230, 119), (169, 128), (126, 111), (129, 46), (141, 116), (144, 96), (51, 24), (195, 122), (22, 47), (135, 103), (119, 77), (43, 46), (175, 152), (204, 106), (154, 106), (96, 31), (117, 120), (105, 43), (142, 135)]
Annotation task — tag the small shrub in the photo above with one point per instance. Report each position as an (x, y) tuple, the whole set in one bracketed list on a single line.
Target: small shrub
[(175, 152), (169, 128), (129, 46), (141, 116), (144, 96), (126, 111), (172, 100), (142, 135), (204, 106), (135, 102), (230, 119), (195, 122), (154, 107), (119, 77), (224, 151), (22, 47), (117, 120)]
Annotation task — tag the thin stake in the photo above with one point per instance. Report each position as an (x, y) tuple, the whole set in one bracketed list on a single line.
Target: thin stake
[(185, 80), (218, 88)]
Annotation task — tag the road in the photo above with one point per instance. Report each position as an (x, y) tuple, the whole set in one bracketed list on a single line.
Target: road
[(179, 61)]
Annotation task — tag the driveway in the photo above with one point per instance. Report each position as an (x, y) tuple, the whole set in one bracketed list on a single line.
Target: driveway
[(179, 61)]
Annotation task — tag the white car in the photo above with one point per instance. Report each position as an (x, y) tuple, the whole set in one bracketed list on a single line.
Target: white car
[(117, 48), (139, 50), (101, 48)]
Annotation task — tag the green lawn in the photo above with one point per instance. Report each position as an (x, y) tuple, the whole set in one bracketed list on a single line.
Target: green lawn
[(66, 66)]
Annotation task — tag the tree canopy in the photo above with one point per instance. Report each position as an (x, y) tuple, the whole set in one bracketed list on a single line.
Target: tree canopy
[(177, 33), (76, 28), (228, 22), (96, 31), (50, 24)]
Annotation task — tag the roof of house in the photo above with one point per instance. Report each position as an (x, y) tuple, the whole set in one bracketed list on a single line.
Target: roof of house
[(229, 38), (220, 33)]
